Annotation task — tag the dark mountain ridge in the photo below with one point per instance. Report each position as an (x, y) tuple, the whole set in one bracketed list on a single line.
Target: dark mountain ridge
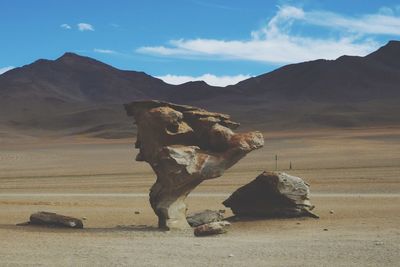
[(346, 79), (77, 78), (75, 94)]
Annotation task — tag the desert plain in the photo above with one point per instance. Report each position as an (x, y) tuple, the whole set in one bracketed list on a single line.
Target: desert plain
[(355, 185)]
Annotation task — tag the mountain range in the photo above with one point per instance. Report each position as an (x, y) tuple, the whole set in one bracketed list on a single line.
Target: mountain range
[(80, 95)]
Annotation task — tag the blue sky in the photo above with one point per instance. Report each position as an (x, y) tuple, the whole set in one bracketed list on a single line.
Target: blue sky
[(221, 42)]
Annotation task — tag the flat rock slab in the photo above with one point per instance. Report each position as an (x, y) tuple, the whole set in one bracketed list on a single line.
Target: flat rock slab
[(204, 217), (53, 219), (213, 228)]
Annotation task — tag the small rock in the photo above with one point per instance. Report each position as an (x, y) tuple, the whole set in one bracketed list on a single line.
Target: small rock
[(53, 219), (378, 243), (221, 211), (84, 218), (137, 212), (331, 212), (230, 255), (213, 228), (298, 223), (325, 229), (206, 216)]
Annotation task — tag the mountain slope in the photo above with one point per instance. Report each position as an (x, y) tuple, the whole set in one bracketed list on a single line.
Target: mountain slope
[(346, 79), (80, 95), (347, 92), (74, 78), (70, 94)]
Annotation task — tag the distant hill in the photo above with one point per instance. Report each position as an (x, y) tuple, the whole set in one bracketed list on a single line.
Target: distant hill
[(79, 95), (350, 91), (72, 94)]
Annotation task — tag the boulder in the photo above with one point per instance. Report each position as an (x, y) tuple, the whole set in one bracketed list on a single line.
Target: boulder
[(272, 194), (207, 216), (213, 228), (184, 146), (53, 219)]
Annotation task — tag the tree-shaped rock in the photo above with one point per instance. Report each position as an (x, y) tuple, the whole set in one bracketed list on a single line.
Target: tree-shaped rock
[(185, 145)]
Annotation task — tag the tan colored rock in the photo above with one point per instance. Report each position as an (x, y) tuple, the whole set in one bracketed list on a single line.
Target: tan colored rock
[(185, 145)]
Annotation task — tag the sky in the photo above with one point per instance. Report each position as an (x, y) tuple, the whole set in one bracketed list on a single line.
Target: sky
[(220, 42)]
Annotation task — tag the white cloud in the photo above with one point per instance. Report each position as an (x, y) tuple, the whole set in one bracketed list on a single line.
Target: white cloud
[(280, 49), (65, 26), (208, 78), (276, 43), (5, 69), (386, 11), (85, 27), (104, 51), (382, 23)]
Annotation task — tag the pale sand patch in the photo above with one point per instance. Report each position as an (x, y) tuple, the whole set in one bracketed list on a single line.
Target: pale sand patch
[(361, 232), (354, 173)]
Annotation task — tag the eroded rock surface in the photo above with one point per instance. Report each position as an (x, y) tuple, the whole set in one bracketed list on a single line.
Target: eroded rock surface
[(272, 194), (185, 145)]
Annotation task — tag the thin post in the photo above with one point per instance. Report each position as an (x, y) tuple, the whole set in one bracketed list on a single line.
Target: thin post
[(276, 162)]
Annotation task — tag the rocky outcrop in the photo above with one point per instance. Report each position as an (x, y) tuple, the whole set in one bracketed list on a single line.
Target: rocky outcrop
[(272, 194), (185, 145), (204, 217)]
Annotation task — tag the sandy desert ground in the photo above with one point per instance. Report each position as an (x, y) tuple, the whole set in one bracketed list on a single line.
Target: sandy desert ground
[(354, 173)]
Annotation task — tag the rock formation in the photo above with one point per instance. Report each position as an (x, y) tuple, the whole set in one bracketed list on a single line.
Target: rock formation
[(185, 145), (272, 194)]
